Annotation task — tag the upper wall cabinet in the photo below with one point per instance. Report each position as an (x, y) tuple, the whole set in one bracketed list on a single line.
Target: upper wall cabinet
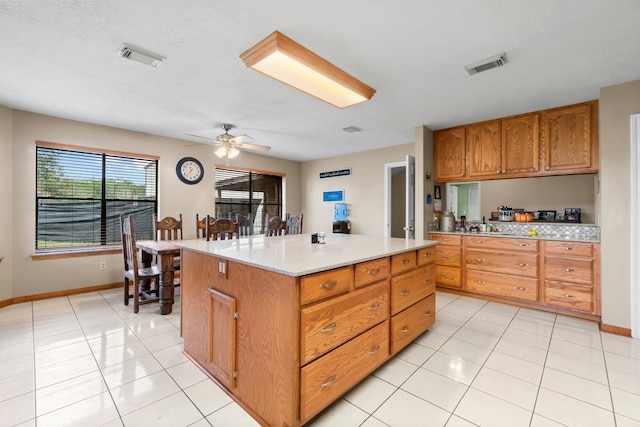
[(449, 154), (552, 142), (570, 139)]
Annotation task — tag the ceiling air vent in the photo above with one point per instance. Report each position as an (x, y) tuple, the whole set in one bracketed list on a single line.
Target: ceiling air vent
[(140, 55), (487, 64)]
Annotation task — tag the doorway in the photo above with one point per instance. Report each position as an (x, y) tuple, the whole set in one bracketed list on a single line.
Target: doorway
[(399, 199), (463, 198)]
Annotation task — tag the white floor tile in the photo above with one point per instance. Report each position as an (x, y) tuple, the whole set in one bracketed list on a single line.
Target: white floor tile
[(452, 367), (432, 339), (570, 365), (624, 381), (485, 410), (579, 388), (231, 415), (67, 392), (522, 351), (456, 421), (170, 356), (513, 390), (415, 353), (130, 370), (186, 374), (571, 412), (171, 411), (581, 352), (370, 394), (208, 397), (395, 371), (14, 350), (472, 336), (95, 410), (16, 385), (467, 351), (622, 346), (441, 391), (406, 410), (139, 393), (578, 336), (531, 339), (515, 367), (341, 413), (626, 404), (19, 409), (622, 363)]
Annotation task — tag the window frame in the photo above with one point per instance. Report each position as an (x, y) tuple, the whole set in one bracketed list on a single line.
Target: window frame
[(104, 247)]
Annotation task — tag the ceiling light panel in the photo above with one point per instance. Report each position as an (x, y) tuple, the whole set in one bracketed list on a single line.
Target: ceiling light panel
[(140, 55), (283, 59)]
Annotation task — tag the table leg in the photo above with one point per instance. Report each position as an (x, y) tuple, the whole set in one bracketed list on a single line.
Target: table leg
[(166, 283)]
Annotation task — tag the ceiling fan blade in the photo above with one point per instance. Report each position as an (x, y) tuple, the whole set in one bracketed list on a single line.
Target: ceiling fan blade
[(255, 147), (241, 139)]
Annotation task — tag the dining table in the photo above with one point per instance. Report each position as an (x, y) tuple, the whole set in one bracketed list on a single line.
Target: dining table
[(165, 251)]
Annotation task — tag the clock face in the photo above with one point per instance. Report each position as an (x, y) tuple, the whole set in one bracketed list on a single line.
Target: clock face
[(189, 170)]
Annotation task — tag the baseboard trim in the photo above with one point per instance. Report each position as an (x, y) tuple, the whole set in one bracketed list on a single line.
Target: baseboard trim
[(617, 330), (57, 294)]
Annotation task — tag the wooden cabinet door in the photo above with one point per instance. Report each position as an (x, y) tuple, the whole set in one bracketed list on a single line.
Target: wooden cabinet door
[(449, 155), (484, 149), (520, 145), (222, 337), (566, 137)]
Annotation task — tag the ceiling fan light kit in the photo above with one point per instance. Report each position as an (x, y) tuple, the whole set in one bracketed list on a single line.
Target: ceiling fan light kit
[(283, 59)]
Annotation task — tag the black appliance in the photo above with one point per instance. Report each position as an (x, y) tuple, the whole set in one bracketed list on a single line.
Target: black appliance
[(343, 227)]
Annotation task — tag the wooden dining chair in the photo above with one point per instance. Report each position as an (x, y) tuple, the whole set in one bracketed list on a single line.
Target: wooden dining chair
[(294, 224), (168, 228), (244, 225), (220, 229), (133, 272), (275, 226), (201, 225)]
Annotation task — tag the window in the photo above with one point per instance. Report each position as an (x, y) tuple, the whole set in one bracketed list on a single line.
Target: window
[(248, 193), (81, 193)]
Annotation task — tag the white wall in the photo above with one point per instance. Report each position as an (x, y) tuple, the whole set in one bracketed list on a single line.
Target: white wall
[(6, 195), (617, 104), (364, 189), (51, 275)]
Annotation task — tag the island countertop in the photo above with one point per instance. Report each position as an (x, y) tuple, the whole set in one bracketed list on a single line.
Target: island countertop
[(295, 255)]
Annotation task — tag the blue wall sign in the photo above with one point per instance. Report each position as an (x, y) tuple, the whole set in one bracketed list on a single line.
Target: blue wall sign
[(332, 196), (335, 173)]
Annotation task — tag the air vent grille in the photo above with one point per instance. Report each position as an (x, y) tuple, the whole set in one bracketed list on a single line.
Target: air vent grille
[(487, 64), (139, 55)]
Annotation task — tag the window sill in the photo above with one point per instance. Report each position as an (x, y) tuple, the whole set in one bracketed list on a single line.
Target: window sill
[(75, 253)]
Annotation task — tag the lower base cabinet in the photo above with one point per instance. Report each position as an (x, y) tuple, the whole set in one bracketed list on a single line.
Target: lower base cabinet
[(411, 322)]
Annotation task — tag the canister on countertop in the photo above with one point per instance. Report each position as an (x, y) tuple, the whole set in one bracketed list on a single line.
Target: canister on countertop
[(447, 221)]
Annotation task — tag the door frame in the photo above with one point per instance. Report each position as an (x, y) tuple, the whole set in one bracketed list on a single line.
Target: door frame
[(410, 203), (635, 230)]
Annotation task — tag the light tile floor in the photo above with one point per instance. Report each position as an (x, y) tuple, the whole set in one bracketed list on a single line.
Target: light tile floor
[(87, 360)]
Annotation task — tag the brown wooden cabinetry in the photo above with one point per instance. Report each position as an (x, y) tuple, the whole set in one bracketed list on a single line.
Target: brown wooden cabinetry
[(449, 155), (558, 141), (448, 258), (571, 275), (570, 139)]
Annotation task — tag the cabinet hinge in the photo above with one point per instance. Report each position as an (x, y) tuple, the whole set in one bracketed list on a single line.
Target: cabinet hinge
[(235, 315), (235, 374)]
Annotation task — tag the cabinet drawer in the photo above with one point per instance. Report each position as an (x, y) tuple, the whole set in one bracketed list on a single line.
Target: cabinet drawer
[(448, 256), (371, 271), (573, 270), (426, 255), (327, 378), (315, 287), (328, 324), (570, 296), (502, 262), (499, 243), (448, 276), (403, 262), (447, 239), (503, 285), (408, 324), (411, 287), (569, 248)]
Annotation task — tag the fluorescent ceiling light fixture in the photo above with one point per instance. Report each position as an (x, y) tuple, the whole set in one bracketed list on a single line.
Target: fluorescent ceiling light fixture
[(283, 59), (140, 55)]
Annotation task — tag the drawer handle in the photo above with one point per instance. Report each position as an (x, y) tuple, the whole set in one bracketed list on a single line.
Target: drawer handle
[(479, 259), (444, 276), (428, 254), (479, 282), (329, 328), (428, 313), (446, 240), (446, 256), (479, 242), (520, 288), (374, 351), (332, 380), (404, 261), (427, 282), (566, 248), (374, 271), (404, 330), (405, 292), (521, 264), (374, 307), (568, 270), (522, 245), (329, 285), (568, 296)]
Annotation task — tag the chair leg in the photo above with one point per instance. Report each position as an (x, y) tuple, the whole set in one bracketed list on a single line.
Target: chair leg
[(136, 296), (126, 291)]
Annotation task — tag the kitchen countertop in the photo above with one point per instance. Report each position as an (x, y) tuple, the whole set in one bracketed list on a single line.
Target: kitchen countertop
[(295, 255), (539, 236)]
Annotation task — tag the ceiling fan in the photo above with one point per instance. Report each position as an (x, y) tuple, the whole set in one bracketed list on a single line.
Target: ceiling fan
[(227, 144)]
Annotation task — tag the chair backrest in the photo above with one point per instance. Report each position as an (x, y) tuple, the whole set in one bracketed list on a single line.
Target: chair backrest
[(220, 229), (275, 226), (129, 250), (244, 225), (294, 224), (168, 228), (201, 225)]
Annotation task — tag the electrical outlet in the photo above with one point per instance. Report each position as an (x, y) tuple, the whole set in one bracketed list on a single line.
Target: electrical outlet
[(103, 265)]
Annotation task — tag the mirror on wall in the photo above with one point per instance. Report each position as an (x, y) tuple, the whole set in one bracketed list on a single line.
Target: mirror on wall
[(463, 198)]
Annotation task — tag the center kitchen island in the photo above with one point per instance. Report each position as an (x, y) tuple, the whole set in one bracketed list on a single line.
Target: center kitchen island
[(287, 326)]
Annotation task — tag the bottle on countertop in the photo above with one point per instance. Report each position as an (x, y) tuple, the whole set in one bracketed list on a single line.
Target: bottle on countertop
[(483, 226)]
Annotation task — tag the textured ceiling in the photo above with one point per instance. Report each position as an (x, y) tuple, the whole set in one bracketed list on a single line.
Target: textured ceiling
[(59, 58)]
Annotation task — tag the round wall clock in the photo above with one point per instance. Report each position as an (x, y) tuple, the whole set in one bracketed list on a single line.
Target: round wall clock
[(189, 170)]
